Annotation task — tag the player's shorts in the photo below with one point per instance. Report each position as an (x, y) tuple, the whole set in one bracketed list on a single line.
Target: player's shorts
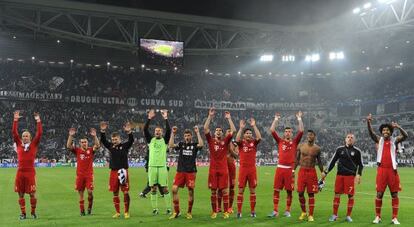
[(25, 182), (307, 179), (284, 178), (247, 175), (182, 179), (218, 179), (83, 182), (232, 174), (114, 184), (158, 175), (388, 177), (345, 185)]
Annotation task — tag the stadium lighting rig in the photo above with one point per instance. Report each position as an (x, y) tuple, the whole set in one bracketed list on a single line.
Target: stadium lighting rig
[(369, 6), (288, 58), (266, 58), (312, 57), (336, 56)]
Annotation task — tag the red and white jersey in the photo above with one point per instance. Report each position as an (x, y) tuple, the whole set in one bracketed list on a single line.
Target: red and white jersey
[(247, 153), (287, 149), (84, 159), (218, 152)]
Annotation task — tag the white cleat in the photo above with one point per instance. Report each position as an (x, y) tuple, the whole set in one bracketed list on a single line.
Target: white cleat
[(377, 220), (395, 221)]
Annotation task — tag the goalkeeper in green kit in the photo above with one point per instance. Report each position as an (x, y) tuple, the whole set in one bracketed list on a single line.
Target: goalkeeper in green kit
[(157, 165)]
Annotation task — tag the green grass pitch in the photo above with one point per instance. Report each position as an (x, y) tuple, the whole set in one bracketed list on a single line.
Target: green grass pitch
[(58, 202), (165, 50)]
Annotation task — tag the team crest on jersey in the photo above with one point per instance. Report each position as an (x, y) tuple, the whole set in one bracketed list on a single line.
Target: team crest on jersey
[(352, 153), (284, 147), (290, 142), (88, 152), (245, 149), (251, 144), (222, 142)]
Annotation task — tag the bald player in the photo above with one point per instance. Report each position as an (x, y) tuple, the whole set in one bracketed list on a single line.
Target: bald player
[(308, 155)]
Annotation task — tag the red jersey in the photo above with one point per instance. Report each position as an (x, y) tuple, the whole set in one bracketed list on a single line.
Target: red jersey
[(26, 153), (84, 159), (247, 153), (386, 161), (287, 149), (218, 152)]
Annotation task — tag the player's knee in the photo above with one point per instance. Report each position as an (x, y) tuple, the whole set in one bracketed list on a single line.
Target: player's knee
[(252, 190), (175, 189), (301, 194), (380, 195), (32, 195), (394, 195), (350, 196), (311, 195)]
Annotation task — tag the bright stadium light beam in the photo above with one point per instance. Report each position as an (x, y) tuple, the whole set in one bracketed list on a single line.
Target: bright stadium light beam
[(332, 56), (316, 57), (340, 55), (356, 10), (308, 58), (266, 57), (367, 5)]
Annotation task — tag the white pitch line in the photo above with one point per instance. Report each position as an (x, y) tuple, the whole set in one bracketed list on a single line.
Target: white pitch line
[(374, 194)]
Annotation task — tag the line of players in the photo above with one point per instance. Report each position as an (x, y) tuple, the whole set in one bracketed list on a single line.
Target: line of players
[(222, 166)]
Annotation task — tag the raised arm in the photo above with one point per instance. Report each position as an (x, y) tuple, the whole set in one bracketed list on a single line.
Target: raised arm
[(128, 131), (69, 143), (15, 132), (171, 143), (147, 134), (210, 116), (403, 134), (242, 125), (300, 122), (256, 130), (232, 126), (96, 143), (372, 134), (167, 135), (200, 142), (275, 123), (104, 125)]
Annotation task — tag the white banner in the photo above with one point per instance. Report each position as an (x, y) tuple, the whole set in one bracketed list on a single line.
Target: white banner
[(44, 96), (220, 105)]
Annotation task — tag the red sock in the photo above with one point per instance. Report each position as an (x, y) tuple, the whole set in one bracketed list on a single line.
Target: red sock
[(176, 203), (190, 205), (22, 203), (219, 199), (311, 205), (82, 205), (231, 197), (33, 202), (336, 202), (116, 203), (378, 206), (395, 205), (239, 202), (288, 201), (213, 199), (126, 202), (252, 202), (302, 202), (276, 195), (226, 203), (90, 202), (350, 206)]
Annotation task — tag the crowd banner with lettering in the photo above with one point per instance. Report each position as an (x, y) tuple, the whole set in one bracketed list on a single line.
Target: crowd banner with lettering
[(283, 106), (130, 101), (34, 95), (220, 105)]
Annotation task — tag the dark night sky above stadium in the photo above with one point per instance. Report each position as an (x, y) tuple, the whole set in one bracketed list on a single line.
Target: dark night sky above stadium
[(281, 12)]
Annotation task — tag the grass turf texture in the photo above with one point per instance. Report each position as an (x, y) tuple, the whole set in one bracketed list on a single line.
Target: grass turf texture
[(58, 202), (164, 50)]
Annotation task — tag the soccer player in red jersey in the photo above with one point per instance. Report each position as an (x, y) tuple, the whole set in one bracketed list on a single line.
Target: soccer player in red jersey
[(186, 168), (26, 149), (231, 165), (84, 169), (387, 174), (285, 174), (218, 178), (247, 149), (307, 156)]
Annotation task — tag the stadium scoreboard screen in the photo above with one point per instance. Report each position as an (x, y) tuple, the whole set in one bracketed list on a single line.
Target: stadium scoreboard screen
[(161, 53)]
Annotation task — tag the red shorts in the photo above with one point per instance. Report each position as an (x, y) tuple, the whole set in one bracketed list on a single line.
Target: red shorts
[(114, 184), (83, 182), (25, 182), (232, 174), (388, 177), (247, 175), (218, 179), (345, 185), (284, 179), (307, 178), (182, 179)]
